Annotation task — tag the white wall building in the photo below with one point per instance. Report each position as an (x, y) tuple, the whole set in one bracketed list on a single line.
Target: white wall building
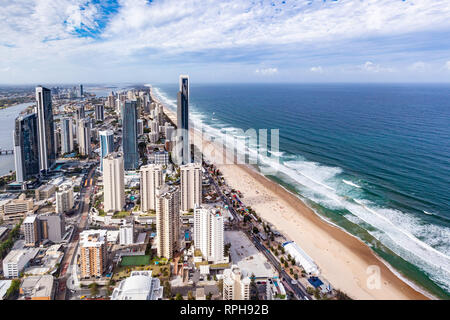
[(151, 180), (64, 199), (208, 233), (113, 182), (191, 185), (140, 285), (16, 260), (236, 284), (126, 234)]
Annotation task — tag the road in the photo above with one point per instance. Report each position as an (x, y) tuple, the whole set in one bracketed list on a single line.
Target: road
[(71, 250), (298, 289)]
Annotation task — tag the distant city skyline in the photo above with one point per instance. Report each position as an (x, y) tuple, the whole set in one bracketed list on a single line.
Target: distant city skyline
[(228, 41)]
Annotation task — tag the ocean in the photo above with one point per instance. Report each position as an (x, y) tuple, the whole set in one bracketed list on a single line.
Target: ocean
[(373, 159)]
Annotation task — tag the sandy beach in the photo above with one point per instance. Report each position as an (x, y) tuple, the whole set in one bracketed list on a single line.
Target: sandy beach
[(345, 261)]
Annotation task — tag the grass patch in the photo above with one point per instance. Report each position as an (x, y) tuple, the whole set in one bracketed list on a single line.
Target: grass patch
[(128, 261)]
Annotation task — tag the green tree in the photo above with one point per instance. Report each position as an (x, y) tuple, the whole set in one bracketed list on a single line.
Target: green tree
[(190, 296), (178, 296), (94, 289)]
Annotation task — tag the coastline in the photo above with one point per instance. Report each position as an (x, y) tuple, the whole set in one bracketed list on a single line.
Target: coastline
[(343, 259)]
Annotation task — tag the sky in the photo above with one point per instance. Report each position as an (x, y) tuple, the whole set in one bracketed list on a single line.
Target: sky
[(116, 41)]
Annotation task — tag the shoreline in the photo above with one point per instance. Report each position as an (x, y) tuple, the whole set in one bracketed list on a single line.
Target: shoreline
[(343, 259)]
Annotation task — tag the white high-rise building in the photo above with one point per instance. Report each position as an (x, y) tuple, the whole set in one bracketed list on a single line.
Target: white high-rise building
[(126, 233), (113, 182), (191, 185), (64, 199), (151, 180), (84, 137), (154, 126), (208, 233), (167, 221), (66, 135), (236, 285)]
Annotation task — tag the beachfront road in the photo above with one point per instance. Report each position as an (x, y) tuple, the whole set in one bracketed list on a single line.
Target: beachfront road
[(298, 289)]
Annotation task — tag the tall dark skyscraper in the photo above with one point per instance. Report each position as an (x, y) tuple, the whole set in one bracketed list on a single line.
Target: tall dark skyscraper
[(129, 135), (46, 136), (26, 151), (183, 119)]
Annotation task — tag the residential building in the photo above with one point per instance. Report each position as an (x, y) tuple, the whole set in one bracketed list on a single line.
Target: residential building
[(92, 253), (64, 199), (151, 180), (209, 232), (66, 135), (31, 230), (167, 220), (140, 127), (99, 112), (26, 148), (126, 233), (106, 144), (160, 158), (236, 284), (113, 182), (140, 285), (84, 137), (129, 136), (46, 129), (191, 185), (183, 119)]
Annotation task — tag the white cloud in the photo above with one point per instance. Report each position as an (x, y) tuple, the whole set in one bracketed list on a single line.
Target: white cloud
[(317, 69), (418, 66), (267, 71), (447, 65), (369, 66)]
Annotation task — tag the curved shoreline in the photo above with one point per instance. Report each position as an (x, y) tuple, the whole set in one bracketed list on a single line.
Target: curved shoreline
[(347, 270)]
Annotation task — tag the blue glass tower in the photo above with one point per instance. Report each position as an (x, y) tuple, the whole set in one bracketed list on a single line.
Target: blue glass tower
[(26, 151), (106, 145), (129, 135)]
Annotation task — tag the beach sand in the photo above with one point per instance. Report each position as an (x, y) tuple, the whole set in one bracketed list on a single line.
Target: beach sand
[(345, 261)]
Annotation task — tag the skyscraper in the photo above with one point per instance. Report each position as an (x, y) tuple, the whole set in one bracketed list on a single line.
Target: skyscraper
[(183, 120), (84, 137), (66, 135), (113, 182), (46, 128), (99, 112), (208, 233), (151, 180), (81, 91), (81, 114), (64, 199), (26, 150), (167, 221), (106, 144), (129, 135), (191, 185)]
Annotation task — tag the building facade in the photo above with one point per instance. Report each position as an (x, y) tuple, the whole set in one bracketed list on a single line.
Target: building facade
[(26, 148), (66, 135), (92, 253), (64, 199), (167, 221), (113, 182), (84, 137), (236, 285), (151, 180), (129, 136), (191, 185), (209, 233), (183, 119), (106, 144), (46, 137)]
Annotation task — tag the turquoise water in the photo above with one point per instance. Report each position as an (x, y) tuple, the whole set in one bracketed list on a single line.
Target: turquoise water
[(373, 159)]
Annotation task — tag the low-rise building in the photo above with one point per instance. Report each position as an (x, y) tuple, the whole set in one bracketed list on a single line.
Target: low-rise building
[(275, 289), (44, 192), (16, 208), (17, 260), (37, 287)]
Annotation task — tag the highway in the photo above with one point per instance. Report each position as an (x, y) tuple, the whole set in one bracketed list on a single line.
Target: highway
[(298, 289)]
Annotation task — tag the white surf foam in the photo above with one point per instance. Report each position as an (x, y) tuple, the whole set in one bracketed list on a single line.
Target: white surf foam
[(350, 183)]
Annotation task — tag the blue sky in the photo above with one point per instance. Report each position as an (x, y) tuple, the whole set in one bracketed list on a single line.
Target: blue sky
[(94, 41)]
